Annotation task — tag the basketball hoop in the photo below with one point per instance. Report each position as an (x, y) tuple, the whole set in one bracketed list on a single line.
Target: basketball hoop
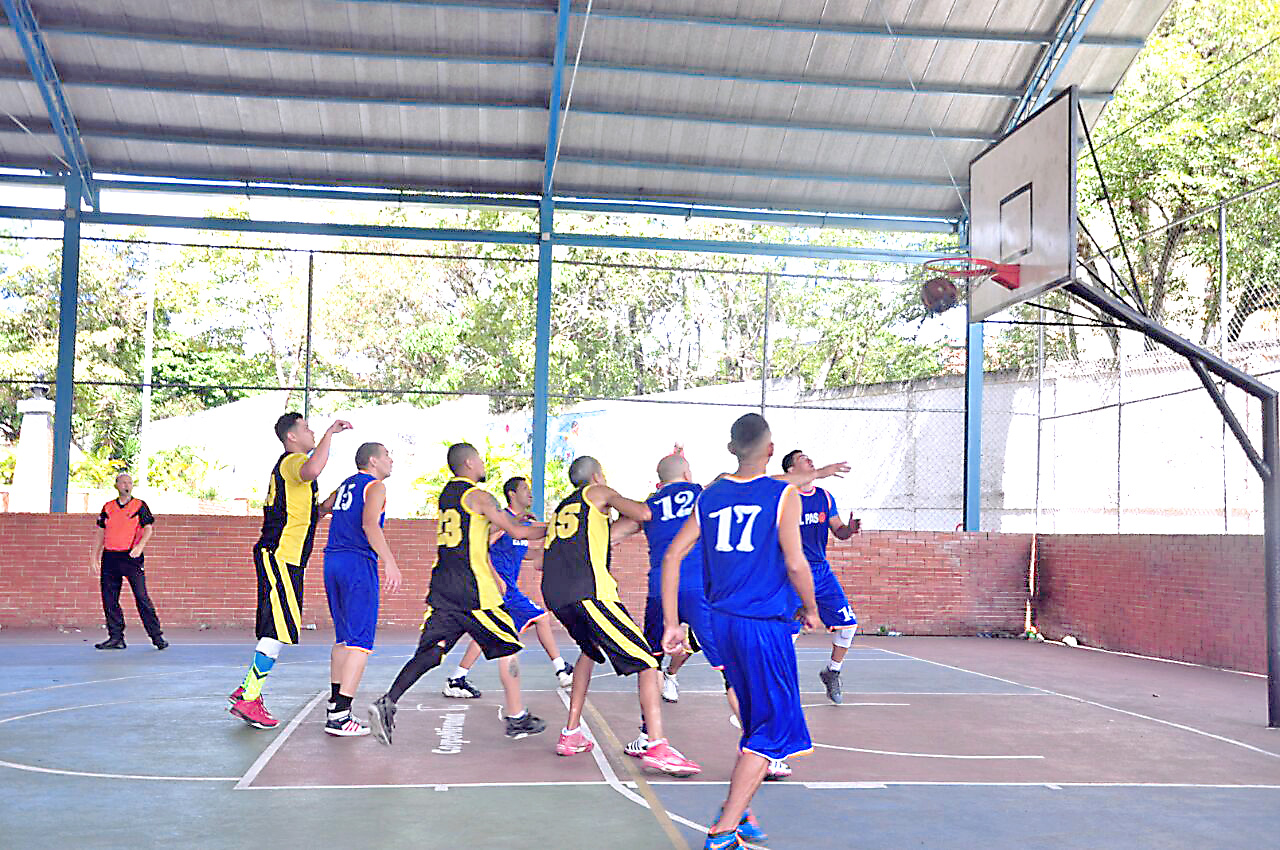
[(1007, 275)]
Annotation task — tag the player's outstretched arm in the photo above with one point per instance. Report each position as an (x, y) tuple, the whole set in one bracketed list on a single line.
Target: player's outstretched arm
[(804, 479), (673, 637), (484, 504), (798, 570), (375, 499), (622, 529), (605, 497), (314, 465)]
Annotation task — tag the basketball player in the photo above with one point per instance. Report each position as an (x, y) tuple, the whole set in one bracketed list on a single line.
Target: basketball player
[(754, 566), (465, 597), (579, 589), (507, 553), (818, 516), (289, 515), (351, 555)]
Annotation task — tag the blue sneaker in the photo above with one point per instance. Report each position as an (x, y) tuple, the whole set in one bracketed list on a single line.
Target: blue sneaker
[(722, 841), (747, 831)]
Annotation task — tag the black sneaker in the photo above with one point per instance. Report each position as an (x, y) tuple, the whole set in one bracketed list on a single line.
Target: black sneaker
[(523, 726), (161, 643), (382, 719), (111, 643), (460, 689), (831, 681)]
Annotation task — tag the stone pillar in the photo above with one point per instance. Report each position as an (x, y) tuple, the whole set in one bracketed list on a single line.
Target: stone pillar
[(33, 470)]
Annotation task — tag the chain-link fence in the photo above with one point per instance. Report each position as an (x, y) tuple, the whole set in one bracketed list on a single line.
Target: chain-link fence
[(1126, 438), (189, 345)]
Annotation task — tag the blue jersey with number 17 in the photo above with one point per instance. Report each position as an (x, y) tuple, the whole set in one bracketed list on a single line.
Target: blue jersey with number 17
[(671, 507), (746, 574)]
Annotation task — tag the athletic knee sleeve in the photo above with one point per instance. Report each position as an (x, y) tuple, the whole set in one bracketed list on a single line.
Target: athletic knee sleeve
[(844, 637), (422, 661), (269, 647)]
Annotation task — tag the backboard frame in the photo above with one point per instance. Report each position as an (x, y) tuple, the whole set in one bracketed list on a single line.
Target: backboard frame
[(1028, 176)]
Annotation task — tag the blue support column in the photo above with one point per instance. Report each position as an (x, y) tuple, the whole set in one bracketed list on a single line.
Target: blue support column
[(973, 428), (64, 397), (542, 357), (542, 318)]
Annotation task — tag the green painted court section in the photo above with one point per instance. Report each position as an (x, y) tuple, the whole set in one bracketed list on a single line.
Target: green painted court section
[(940, 743)]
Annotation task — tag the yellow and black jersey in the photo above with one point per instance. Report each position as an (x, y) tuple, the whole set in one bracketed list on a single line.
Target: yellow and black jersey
[(289, 512), (463, 577), (576, 564)]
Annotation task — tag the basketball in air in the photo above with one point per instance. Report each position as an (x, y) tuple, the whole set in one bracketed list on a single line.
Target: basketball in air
[(938, 294)]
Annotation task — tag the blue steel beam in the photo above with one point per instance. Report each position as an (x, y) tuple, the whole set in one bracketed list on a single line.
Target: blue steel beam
[(771, 24), (765, 173), (45, 76), (769, 249), (973, 375), (233, 90), (710, 74), (906, 221), (546, 250), (1068, 35), (64, 386)]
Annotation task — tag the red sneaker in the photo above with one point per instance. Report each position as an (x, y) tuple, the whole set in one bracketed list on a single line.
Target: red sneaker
[(236, 695), (253, 712), (569, 745), (666, 758)]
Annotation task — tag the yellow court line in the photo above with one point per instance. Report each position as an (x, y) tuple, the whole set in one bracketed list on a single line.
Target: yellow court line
[(655, 806)]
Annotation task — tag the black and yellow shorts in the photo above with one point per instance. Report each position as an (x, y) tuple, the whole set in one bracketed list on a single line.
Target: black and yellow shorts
[(279, 596), (491, 628), (605, 630)]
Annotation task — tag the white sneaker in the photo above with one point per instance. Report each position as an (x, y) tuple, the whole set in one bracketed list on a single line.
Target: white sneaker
[(734, 721), (346, 726), (636, 748), (670, 688), (565, 676), (778, 769)]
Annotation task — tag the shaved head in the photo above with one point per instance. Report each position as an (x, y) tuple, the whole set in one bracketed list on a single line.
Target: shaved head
[(458, 455), (582, 469), (749, 436), (672, 468)]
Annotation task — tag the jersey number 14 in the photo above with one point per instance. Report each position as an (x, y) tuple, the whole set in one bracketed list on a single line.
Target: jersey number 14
[(729, 518)]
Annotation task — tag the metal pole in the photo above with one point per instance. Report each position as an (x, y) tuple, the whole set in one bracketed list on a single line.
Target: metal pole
[(1271, 545), (69, 298), (1039, 410), (148, 346), (764, 350), (1119, 418), (542, 356), (306, 366), (1222, 345), (973, 428)]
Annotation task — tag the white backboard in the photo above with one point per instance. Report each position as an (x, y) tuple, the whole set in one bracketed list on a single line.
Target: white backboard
[(1022, 206)]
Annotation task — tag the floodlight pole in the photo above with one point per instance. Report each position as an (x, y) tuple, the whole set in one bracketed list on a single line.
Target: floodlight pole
[(1207, 364)]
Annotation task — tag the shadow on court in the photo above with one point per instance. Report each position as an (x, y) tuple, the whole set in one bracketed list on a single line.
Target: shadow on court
[(939, 743)]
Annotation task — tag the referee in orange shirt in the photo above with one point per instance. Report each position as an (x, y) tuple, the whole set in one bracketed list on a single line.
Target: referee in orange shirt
[(124, 527)]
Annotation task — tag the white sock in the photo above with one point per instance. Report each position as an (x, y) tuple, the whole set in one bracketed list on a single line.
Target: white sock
[(835, 666), (522, 713), (558, 662), (460, 673), (572, 731)]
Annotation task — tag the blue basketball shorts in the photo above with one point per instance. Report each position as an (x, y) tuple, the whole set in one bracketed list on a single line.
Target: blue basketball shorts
[(351, 583), (522, 609), (833, 605), (695, 613), (760, 666)]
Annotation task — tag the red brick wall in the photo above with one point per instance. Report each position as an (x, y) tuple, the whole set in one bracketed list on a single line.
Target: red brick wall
[(1186, 597), (200, 570)]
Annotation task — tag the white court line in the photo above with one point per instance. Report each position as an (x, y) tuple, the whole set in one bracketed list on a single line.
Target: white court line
[(924, 755), (179, 672), (94, 775), (606, 770), (439, 786), (1084, 701), (275, 745)]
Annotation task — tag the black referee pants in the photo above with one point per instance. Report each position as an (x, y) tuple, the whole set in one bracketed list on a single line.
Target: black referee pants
[(117, 566)]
